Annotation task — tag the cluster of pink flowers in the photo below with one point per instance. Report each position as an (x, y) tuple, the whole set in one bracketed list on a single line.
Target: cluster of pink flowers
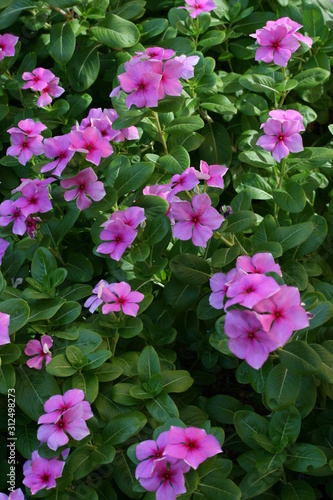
[(282, 133), (278, 40), (45, 83), (39, 350), (197, 219), (163, 462), (197, 7), (267, 313), (120, 231), (116, 297), (64, 415), (7, 44), (151, 75)]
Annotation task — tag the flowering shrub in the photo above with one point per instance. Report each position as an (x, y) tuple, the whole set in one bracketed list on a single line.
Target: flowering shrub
[(165, 247)]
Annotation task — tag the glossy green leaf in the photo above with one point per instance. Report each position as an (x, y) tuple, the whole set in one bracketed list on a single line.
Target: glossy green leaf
[(62, 42), (116, 32)]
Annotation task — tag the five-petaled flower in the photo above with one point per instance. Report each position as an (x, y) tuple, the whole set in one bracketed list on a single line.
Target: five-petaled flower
[(84, 183), (39, 350), (121, 298), (7, 44), (40, 473), (197, 7)]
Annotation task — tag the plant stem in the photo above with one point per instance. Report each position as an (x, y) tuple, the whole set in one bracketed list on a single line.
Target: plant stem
[(160, 132)]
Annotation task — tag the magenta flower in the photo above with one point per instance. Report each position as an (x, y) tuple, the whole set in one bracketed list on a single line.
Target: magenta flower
[(3, 246), (57, 147), (249, 289), (247, 338), (161, 190), (71, 421), (91, 142), (4, 328), (31, 223), (181, 182), (188, 65), (38, 79), (276, 44), (57, 405), (293, 28), (121, 298), (281, 138), (156, 53), (7, 44), (260, 263), (219, 284), (35, 196), (132, 216), (197, 7), (41, 349), (195, 221), (167, 480), (51, 89), (193, 445), (10, 212), (141, 82), (286, 115), (41, 472), (119, 237), (29, 127), (95, 300), (129, 133), (14, 495), (213, 174), (171, 71), (86, 184), (25, 147), (149, 452), (282, 313)]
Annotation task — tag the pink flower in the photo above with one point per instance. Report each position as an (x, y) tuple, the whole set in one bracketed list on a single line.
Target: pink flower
[(29, 127), (14, 495), (121, 298), (10, 212), (171, 71), (86, 183), (195, 221), (38, 79), (7, 44), (132, 216), (282, 313), (26, 140), (149, 453), (71, 421), (219, 283), (95, 300), (181, 182), (188, 65), (161, 190), (281, 138), (129, 133), (31, 223), (156, 53), (57, 405), (247, 338), (141, 81), (286, 115), (193, 445), (90, 141), (57, 147), (41, 472), (249, 289), (3, 246), (260, 263), (167, 480), (35, 196), (213, 174), (42, 349), (197, 7), (51, 89), (4, 330), (119, 236)]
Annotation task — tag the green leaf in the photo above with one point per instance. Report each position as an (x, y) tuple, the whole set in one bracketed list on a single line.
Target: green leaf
[(247, 424), (282, 388), (33, 389), (88, 383), (62, 42), (97, 359), (216, 148), (292, 236), (176, 162), (259, 158), (285, 426), (116, 32), (185, 124), (251, 104), (43, 264), (44, 308), (79, 268), (222, 408), (291, 199), (123, 427), (325, 372), (176, 381), (148, 363), (18, 311), (310, 78), (9, 353), (59, 366), (7, 378), (305, 457), (108, 372), (294, 274), (297, 490), (83, 69), (307, 396), (162, 408), (239, 221), (212, 488), (299, 358), (190, 269), (9, 15), (133, 176), (259, 83), (211, 39), (313, 20), (256, 185), (156, 229), (67, 313), (219, 104), (256, 483), (322, 313), (79, 462), (130, 328), (316, 238), (225, 256)]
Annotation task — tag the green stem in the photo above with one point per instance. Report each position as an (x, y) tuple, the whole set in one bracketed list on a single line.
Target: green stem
[(220, 237), (115, 342), (160, 132)]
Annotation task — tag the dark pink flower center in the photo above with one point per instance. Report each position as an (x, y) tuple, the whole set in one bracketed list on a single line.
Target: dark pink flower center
[(46, 477), (25, 144)]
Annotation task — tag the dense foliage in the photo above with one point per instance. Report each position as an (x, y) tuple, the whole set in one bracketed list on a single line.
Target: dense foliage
[(166, 252)]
